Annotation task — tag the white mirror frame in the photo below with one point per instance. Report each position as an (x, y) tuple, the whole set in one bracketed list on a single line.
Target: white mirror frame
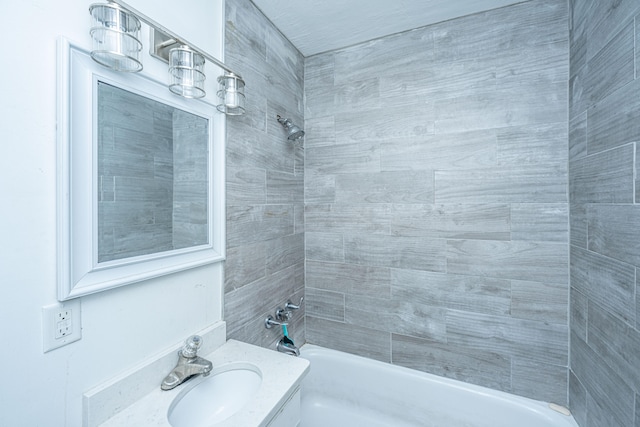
[(79, 272)]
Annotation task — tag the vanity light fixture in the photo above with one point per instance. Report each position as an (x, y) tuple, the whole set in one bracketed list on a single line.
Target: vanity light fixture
[(186, 70), (114, 32), (231, 94)]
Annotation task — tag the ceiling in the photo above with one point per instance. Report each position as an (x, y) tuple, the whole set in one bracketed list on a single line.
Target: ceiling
[(316, 26)]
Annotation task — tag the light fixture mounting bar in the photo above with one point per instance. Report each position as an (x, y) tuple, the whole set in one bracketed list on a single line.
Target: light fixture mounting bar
[(161, 44), (161, 37)]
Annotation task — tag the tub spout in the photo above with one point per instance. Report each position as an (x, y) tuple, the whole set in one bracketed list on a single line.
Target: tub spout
[(287, 348)]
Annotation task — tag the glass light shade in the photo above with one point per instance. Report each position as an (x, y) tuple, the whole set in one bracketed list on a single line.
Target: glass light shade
[(186, 69), (231, 94), (114, 33)]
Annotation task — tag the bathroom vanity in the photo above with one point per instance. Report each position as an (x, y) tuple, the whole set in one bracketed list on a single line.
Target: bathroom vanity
[(271, 399)]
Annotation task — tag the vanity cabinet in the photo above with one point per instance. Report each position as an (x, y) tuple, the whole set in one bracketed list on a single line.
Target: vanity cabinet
[(121, 402), (289, 413)]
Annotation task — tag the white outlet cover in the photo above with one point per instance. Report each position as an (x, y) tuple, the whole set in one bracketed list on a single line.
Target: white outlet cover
[(51, 319)]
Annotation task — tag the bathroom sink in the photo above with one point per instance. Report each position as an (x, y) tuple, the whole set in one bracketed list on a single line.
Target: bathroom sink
[(213, 399)]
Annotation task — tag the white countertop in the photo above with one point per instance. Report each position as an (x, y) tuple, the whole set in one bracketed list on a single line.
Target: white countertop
[(281, 376)]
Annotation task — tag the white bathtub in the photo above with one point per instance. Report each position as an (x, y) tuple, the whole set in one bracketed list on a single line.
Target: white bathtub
[(343, 390)]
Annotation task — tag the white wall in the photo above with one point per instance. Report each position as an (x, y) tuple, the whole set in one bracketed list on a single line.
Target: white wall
[(121, 327)]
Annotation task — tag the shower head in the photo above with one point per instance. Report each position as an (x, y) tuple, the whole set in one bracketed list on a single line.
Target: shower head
[(293, 132)]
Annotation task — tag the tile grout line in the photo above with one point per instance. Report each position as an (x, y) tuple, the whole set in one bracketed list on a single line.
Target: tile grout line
[(635, 172)]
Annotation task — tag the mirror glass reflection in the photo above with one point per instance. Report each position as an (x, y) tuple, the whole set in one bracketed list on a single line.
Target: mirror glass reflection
[(152, 176)]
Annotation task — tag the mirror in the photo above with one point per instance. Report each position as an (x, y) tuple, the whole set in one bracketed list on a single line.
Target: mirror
[(152, 176), (140, 178)]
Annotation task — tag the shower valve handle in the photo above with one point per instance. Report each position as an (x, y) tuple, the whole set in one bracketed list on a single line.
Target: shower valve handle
[(291, 306), (270, 322)]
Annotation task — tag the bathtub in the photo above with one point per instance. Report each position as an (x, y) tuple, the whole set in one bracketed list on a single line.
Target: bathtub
[(343, 390)]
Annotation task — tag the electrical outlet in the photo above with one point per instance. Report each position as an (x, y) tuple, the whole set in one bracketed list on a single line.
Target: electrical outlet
[(61, 324), (64, 323)]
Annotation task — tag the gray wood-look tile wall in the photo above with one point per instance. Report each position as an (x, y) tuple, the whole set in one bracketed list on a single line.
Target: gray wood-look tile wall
[(265, 200), (604, 122), (435, 195), (436, 207)]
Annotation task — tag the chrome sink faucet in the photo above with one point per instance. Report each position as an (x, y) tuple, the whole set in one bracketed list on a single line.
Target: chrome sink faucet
[(189, 364)]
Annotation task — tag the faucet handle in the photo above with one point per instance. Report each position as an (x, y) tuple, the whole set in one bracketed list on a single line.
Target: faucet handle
[(191, 346), (270, 322), (291, 306)]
